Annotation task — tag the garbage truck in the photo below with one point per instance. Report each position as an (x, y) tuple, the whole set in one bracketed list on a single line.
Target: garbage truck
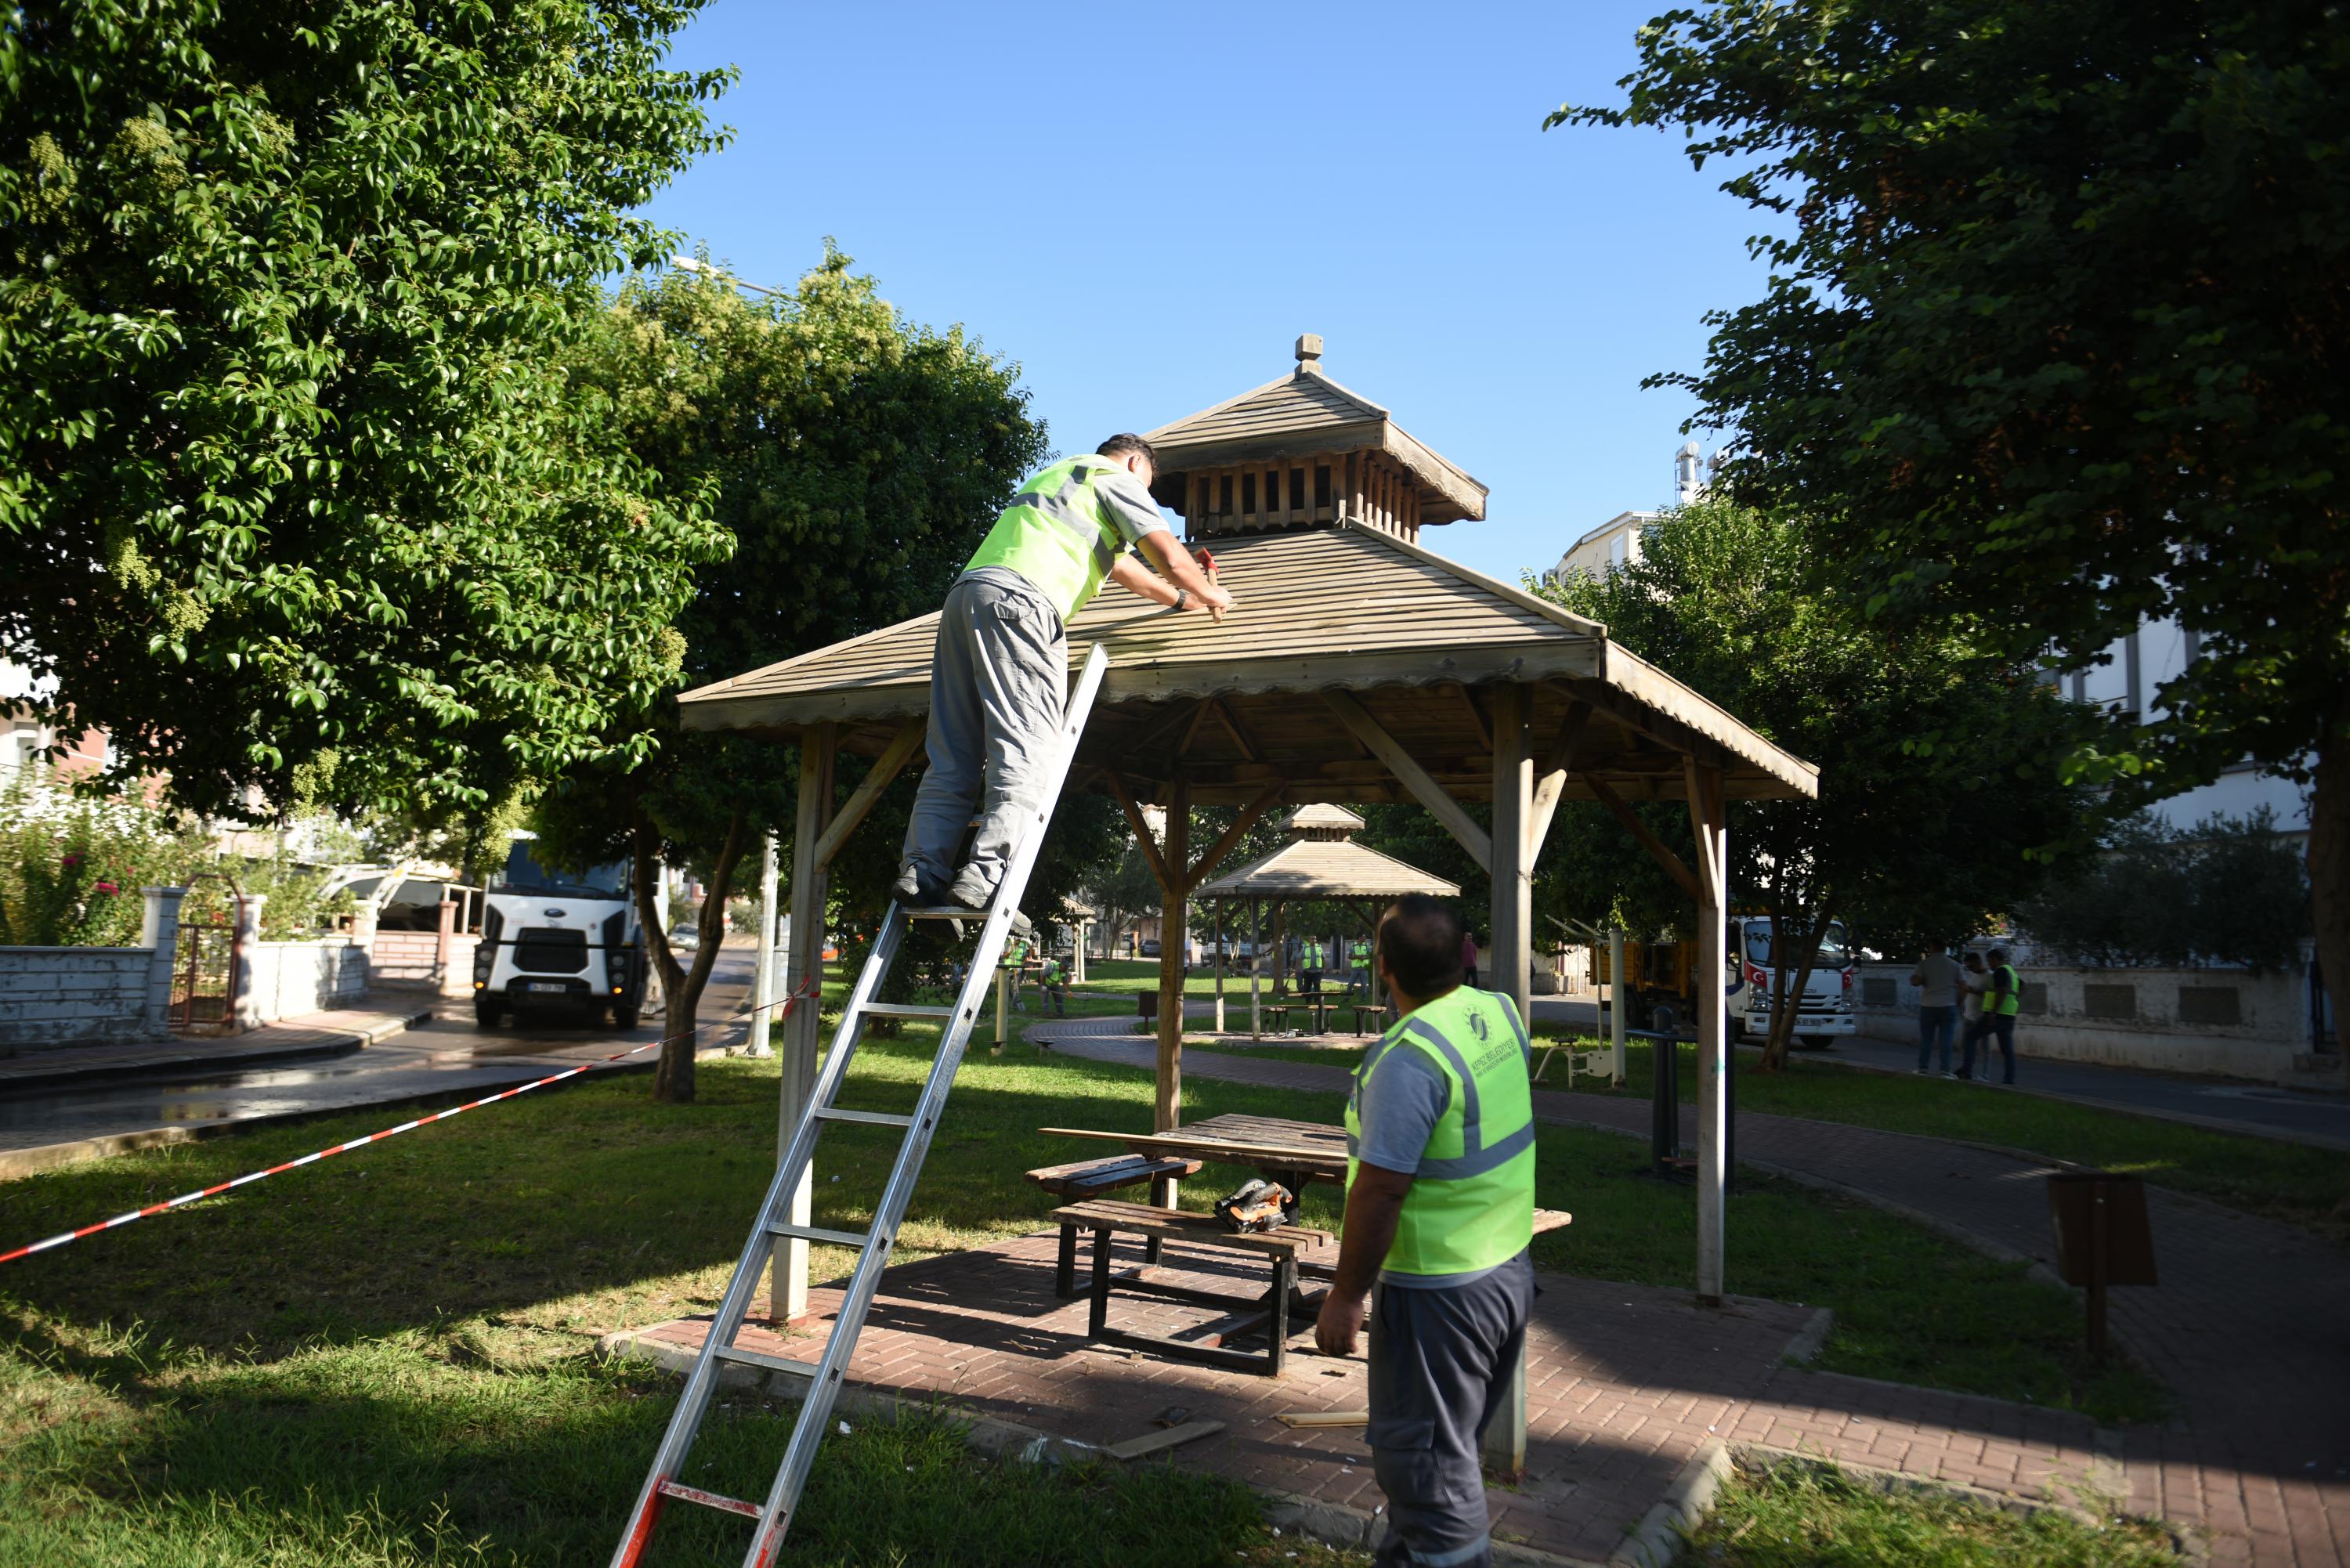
[(557, 942), (1661, 993)]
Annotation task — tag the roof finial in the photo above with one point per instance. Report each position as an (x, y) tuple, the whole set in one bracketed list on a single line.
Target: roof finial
[(1309, 353)]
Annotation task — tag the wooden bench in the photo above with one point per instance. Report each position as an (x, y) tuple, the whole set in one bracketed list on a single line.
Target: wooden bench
[(1084, 1179), (1108, 1216)]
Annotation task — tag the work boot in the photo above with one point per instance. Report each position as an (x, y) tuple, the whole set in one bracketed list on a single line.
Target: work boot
[(972, 892), (916, 887)]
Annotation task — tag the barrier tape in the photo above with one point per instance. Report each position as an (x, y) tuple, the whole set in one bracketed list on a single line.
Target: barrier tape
[(787, 1003)]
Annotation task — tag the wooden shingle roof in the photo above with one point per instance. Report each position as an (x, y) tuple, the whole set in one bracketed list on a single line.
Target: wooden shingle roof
[(1303, 414), (1327, 868), (1348, 609)]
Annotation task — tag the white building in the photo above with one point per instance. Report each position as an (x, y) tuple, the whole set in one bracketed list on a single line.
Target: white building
[(1616, 543)]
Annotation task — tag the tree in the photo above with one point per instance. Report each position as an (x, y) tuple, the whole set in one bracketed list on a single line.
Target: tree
[(300, 505), (2060, 332), (857, 459), (2229, 890), (1935, 803)]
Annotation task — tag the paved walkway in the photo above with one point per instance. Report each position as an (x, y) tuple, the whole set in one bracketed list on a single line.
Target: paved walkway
[(2304, 1115), (2246, 1328)]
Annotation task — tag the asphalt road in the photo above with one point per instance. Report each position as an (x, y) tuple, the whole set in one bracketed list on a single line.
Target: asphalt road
[(451, 1053), (2319, 1118)]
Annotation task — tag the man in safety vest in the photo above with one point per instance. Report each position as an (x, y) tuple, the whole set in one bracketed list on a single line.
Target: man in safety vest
[(1001, 661), (2002, 998), (1439, 1214)]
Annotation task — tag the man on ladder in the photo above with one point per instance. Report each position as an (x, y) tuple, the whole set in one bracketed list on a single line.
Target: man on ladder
[(1002, 656)]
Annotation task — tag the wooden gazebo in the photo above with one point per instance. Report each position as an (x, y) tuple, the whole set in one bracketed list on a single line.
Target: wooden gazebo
[(1359, 666)]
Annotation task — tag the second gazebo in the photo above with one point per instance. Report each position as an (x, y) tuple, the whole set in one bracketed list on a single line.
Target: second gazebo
[(1320, 863)]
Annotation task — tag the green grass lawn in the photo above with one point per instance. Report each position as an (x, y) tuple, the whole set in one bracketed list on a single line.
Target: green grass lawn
[(1818, 1517), (385, 1358), (1131, 975)]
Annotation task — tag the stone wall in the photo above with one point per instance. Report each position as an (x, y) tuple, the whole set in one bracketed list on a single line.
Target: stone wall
[(2224, 1022), (53, 997), (285, 979)]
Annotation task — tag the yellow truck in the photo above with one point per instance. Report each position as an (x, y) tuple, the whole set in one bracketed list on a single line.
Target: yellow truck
[(1661, 993)]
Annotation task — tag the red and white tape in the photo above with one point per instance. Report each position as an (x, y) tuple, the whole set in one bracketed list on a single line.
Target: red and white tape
[(787, 1003)]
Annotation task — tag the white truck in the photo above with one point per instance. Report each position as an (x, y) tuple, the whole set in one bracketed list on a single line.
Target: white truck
[(1825, 1012), (556, 942)]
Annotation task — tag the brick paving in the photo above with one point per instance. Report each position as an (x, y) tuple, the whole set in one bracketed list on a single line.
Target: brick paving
[(2247, 1327)]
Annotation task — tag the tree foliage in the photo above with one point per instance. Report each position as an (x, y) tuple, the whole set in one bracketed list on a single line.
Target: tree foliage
[(2229, 890), (299, 501), (2057, 330), (1935, 803), (856, 458)]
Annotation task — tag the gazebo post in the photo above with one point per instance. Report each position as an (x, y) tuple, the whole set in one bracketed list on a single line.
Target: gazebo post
[(1505, 1437), (1220, 965), (1256, 962), (811, 878), (1175, 858), (1707, 818)]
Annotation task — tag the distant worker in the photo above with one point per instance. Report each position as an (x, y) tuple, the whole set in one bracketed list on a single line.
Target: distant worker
[(1000, 666), (2002, 998), (1440, 1213), (1055, 983), (1938, 978)]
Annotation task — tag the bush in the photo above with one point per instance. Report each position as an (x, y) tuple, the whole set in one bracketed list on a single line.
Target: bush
[(2229, 890)]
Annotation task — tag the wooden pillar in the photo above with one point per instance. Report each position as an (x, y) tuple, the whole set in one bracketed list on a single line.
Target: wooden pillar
[(761, 1023), (1219, 938), (1513, 867), (1256, 963), (1175, 854), (802, 1039), (1708, 819), (1504, 1439)]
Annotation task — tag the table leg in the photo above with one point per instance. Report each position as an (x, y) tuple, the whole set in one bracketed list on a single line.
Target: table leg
[(1285, 1280), (1162, 1196), (1065, 1269), (1098, 1322)]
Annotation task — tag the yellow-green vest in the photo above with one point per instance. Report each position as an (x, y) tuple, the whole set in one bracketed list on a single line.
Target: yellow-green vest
[(1057, 533), (1471, 1203), (2005, 1006)]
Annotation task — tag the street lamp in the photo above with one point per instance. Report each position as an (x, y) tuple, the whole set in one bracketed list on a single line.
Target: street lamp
[(688, 264)]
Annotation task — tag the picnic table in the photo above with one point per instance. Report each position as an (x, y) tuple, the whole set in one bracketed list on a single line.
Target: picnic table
[(1278, 1148)]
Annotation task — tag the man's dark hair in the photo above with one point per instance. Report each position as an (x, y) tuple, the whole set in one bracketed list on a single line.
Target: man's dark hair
[(1125, 443), (1421, 940)]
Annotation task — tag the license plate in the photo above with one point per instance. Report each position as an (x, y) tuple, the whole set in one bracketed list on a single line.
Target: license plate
[(555, 986)]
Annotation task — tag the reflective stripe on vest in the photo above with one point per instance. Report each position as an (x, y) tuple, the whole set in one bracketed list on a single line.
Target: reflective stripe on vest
[(1471, 1201), (1054, 535), (2006, 1006)]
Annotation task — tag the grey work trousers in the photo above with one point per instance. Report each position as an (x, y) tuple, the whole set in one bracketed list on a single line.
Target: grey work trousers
[(997, 675), (1440, 1363)]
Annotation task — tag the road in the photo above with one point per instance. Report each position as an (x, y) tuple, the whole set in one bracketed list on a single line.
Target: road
[(2302, 1116), (450, 1055)]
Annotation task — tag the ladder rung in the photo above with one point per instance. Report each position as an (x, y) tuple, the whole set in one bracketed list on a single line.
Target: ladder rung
[(870, 1118), (819, 1233), (906, 1010), (712, 1500), (760, 1358), (941, 912)]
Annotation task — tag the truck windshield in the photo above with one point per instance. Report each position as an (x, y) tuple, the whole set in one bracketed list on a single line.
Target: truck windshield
[(1834, 951), (525, 875)]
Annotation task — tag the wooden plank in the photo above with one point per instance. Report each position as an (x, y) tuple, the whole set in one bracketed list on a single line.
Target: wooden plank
[(1550, 779), (1318, 1160), (1134, 819), (1413, 777), (1174, 939), (1241, 737), (1155, 1442), (1682, 874), (1323, 1420), (859, 805), (1476, 719)]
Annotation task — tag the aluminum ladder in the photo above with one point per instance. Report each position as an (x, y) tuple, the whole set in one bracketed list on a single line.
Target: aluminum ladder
[(774, 1517)]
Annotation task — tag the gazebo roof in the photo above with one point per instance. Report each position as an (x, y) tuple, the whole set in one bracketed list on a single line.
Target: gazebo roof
[(1322, 817), (1327, 868), (1248, 703)]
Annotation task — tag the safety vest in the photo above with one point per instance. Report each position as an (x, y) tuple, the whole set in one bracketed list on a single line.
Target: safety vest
[(1471, 1203), (2006, 1006), (1057, 533)]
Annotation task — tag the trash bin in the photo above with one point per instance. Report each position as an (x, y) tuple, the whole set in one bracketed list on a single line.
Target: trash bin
[(1146, 1011)]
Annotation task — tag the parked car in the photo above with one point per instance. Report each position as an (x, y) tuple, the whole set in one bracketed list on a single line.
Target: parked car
[(685, 939), (1150, 947)]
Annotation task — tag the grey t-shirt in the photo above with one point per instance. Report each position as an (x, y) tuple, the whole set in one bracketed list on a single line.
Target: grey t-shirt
[(1937, 979), (1129, 505)]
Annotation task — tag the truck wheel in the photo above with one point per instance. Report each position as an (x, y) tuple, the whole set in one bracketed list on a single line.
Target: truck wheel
[(489, 1013), (1815, 1042), (626, 1017)]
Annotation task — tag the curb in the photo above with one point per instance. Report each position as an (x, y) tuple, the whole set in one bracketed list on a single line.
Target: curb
[(342, 1042), (1655, 1541), (1811, 1338)]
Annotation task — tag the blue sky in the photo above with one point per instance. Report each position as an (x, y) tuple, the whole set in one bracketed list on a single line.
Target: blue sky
[(1145, 204)]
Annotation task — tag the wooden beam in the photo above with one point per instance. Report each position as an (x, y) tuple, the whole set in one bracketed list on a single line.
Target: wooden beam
[(1476, 719), (1230, 836), (859, 805), (1141, 825), (1241, 737), (1648, 841), (1154, 731), (802, 1030), (1190, 730), (1413, 777), (1172, 945), (1550, 778)]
